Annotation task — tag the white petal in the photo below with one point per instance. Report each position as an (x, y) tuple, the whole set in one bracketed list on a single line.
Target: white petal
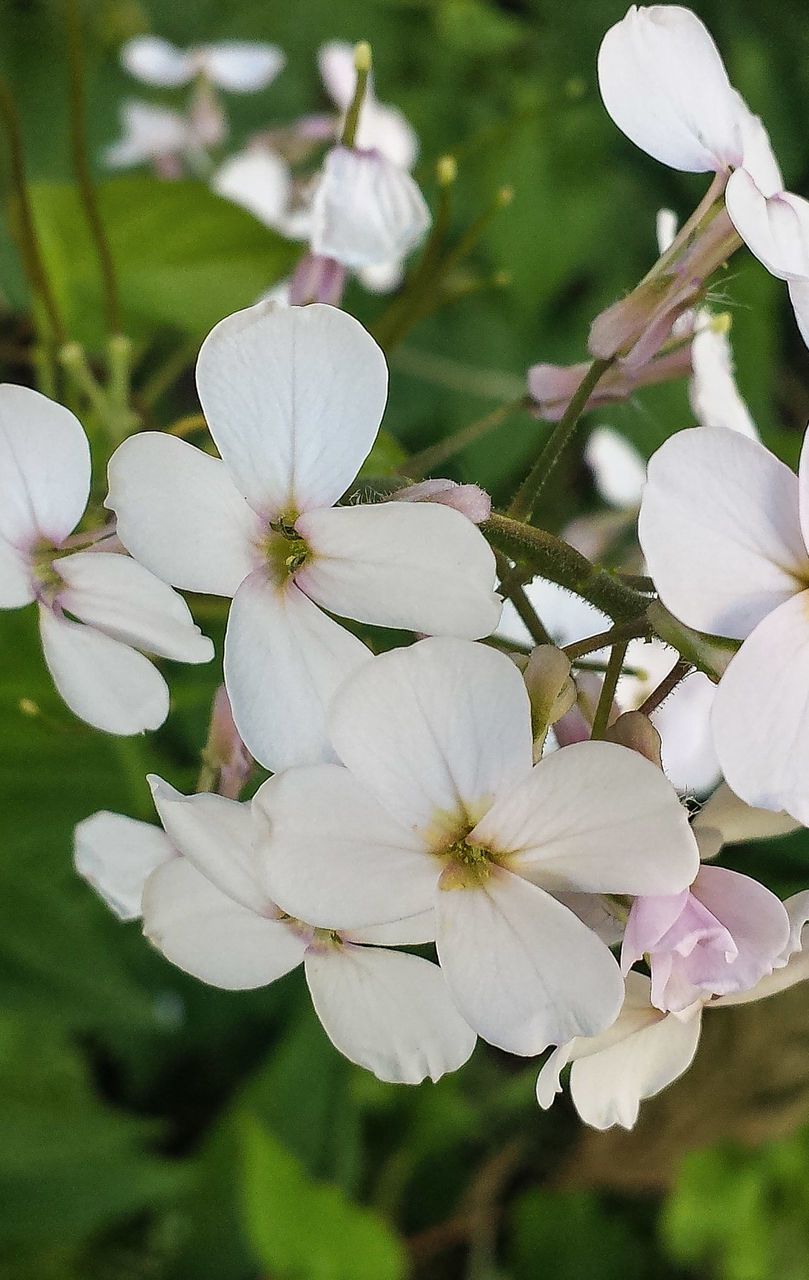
[(799, 297), (259, 181), (241, 66), (664, 84), (44, 468), (284, 661), (385, 129), (157, 61), (388, 1012), (384, 277), (720, 530), (618, 469), (335, 61), (420, 566), (775, 229), (334, 857), (410, 932), (180, 514), (104, 682), (216, 835), (522, 969), (212, 937), (435, 731), (121, 598), (712, 391), (594, 817), (293, 397), (116, 855), (758, 160), (149, 133), (761, 713), (684, 724), (366, 210), (16, 585), (737, 822)]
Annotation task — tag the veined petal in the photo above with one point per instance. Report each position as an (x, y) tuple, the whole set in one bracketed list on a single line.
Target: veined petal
[(180, 514), (756, 921), (157, 61), (241, 66), (594, 818), (436, 732), (293, 397), (366, 210), (103, 681), (334, 857), (206, 933), (761, 713), (664, 84), (522, 969), (774, 228), (387, 1011), (410, 932), (116, 855), (216, 836), (420, 566), (284, 661), (720, 530), (44, 468), (121, 598), (794, 961), (16, 584)]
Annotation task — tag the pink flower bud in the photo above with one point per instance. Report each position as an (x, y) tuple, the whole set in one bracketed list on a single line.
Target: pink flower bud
[(317, 279), (472, 501), (225, 752)]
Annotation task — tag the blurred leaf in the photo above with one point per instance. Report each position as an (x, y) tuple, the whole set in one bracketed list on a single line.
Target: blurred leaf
[(477, 28), (183, 256), (306, 1230), (569, 1235)]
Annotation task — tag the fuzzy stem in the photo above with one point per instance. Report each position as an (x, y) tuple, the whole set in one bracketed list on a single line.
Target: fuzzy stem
[(607, 697)]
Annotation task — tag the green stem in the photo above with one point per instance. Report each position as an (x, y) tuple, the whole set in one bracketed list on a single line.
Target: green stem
[(81, 165), (607, 697), (420, 464), (74, 361), (362, 64), (513, 589), (638, 629), (525, 499), (24, 222), (562, 564)]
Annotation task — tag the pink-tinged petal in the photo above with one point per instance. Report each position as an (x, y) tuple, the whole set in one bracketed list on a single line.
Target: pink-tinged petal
[(607, 1084), (594, 818), (366, 210), (799, 297), (469, 499), (522, 969), (720, 530), (44, 468), (755, 919), (293, 397), (423, 567), (388, 1012), (410, 932), (241, 66), (650, 919), (157, 61), (121, 598), (216, 836), (435, 732), (258, 181), (104, 682), (774, 228), (735, 822), (181, 516), (16, 583), (793, 961), (761, 713), (284, 661), (333, 857), (664, 84), (206, 933), (116, 855)]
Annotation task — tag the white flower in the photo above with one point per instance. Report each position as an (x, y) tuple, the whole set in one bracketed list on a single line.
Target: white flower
[(293, 397), (259, 181), (205, 909), (722, 528), (96, 608), (438, 805), (116, 855), (240, 66), (664, 84), (153, 135)]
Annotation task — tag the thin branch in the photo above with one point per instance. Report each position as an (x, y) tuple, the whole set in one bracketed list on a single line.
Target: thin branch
[(607, 697), (667, 685)]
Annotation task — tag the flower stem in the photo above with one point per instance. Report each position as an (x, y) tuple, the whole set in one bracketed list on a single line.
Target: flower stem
[(419, 464), (525, 499), (638, 629), (362, 65), (607, 697), (513, 590), (667, 685)]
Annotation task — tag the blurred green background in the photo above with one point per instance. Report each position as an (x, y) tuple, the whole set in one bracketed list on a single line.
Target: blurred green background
[(151, 1127)]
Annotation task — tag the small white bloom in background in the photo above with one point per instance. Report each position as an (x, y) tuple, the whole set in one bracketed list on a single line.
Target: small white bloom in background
[(96, 608), (206, 910), (116, 855), (153, 135), (259, 180), (438, 805), (663, 82), (239, 66), (381, 127), (293, 397), (682, 720), (722, 528)]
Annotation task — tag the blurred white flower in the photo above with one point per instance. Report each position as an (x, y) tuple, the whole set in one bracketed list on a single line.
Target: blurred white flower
[(239, 66)]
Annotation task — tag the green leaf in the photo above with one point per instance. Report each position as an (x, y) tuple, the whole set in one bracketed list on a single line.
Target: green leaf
[(307, 1230), (183, 257), (569, 1235)]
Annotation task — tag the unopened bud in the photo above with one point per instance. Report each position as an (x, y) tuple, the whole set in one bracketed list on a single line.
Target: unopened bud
[(446, 171), (362, 56)]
